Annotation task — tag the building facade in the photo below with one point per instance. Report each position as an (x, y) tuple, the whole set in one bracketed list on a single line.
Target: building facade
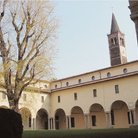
[(105, 98)]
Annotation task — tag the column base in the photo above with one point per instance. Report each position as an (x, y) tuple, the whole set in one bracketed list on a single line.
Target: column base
[(110, 127), (132, 126)]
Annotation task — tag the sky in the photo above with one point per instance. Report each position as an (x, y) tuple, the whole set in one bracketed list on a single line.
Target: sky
[(82, 42)]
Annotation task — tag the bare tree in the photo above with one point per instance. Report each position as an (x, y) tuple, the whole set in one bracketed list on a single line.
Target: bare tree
[(27, 30)]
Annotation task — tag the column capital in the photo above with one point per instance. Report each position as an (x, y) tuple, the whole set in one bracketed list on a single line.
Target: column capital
[(130, 110), (133, 109), (86, 114), (50, 117), (107, 112)]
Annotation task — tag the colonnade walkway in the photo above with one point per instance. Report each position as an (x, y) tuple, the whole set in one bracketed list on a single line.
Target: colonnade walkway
[(120, 116)]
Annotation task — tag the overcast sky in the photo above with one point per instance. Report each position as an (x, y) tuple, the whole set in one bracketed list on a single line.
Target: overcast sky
[(82, 37)]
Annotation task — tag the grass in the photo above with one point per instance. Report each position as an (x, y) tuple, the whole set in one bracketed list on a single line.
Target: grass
[(90, 133)]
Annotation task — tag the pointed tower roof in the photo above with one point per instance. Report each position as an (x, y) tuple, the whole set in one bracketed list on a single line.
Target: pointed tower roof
[(114, 25)]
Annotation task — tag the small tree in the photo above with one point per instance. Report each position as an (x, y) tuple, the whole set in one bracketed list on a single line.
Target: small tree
[(27, 30)]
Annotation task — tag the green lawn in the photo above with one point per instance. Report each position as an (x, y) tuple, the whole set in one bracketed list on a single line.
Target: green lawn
[(102, 133)]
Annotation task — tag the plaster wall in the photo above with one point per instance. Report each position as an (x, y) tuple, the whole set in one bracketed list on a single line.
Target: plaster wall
[(106, 95)]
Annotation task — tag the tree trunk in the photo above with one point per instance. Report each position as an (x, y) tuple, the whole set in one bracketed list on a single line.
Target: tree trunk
[(13, 104)]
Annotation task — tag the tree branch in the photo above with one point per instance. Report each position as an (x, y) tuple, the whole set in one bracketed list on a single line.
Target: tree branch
[(3, 12), (3, 86), (28, 64), (8, 51), (3, 92)]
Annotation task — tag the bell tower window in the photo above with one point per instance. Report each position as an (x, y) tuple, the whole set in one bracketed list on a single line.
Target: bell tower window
[(121, 41), (113, 41)]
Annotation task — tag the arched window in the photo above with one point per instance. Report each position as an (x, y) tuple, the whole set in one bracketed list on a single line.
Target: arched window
[(45, 86), (56, 86), (67, 83), (114, 41), (121, 41), (79, 81)]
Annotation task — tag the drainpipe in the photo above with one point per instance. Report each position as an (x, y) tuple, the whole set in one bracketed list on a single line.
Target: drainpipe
[(61, 83), (100, 74)]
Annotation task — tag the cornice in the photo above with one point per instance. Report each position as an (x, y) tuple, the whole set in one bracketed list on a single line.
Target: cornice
[(96, 81)]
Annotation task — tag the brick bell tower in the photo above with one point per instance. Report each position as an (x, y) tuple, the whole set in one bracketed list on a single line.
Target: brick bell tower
[(117, 47)]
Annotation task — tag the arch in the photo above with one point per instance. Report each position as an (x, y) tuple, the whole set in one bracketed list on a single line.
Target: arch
[(97, 116), (42, 119), (77, 118), (26, 117), (96, 107), (119, 114), (3, 106), (77, 109), (118, 104), (60, 119)]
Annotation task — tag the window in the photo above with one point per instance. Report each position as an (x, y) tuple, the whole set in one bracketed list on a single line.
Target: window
[(114, 41), (58, 99), (79, 81), (93, 78), (108, 74), (56, 86), (67, 83), (116, 89), (45, 86), (125, 70), (94, 93), (3, 96), (75, 96), (93, 120), (112, 117), (42, 99), (24, 97), (72, 122), (121, 41)]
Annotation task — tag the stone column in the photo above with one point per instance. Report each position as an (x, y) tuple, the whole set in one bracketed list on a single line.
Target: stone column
[(130, 117), (51, 123), (85, 121), (110, 120), (135, 116), (54, 123), (34, 123), (106, 119), (134, 14), (89, 121), (32, 127), (69, 117), (67, 122), (48, 123)]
